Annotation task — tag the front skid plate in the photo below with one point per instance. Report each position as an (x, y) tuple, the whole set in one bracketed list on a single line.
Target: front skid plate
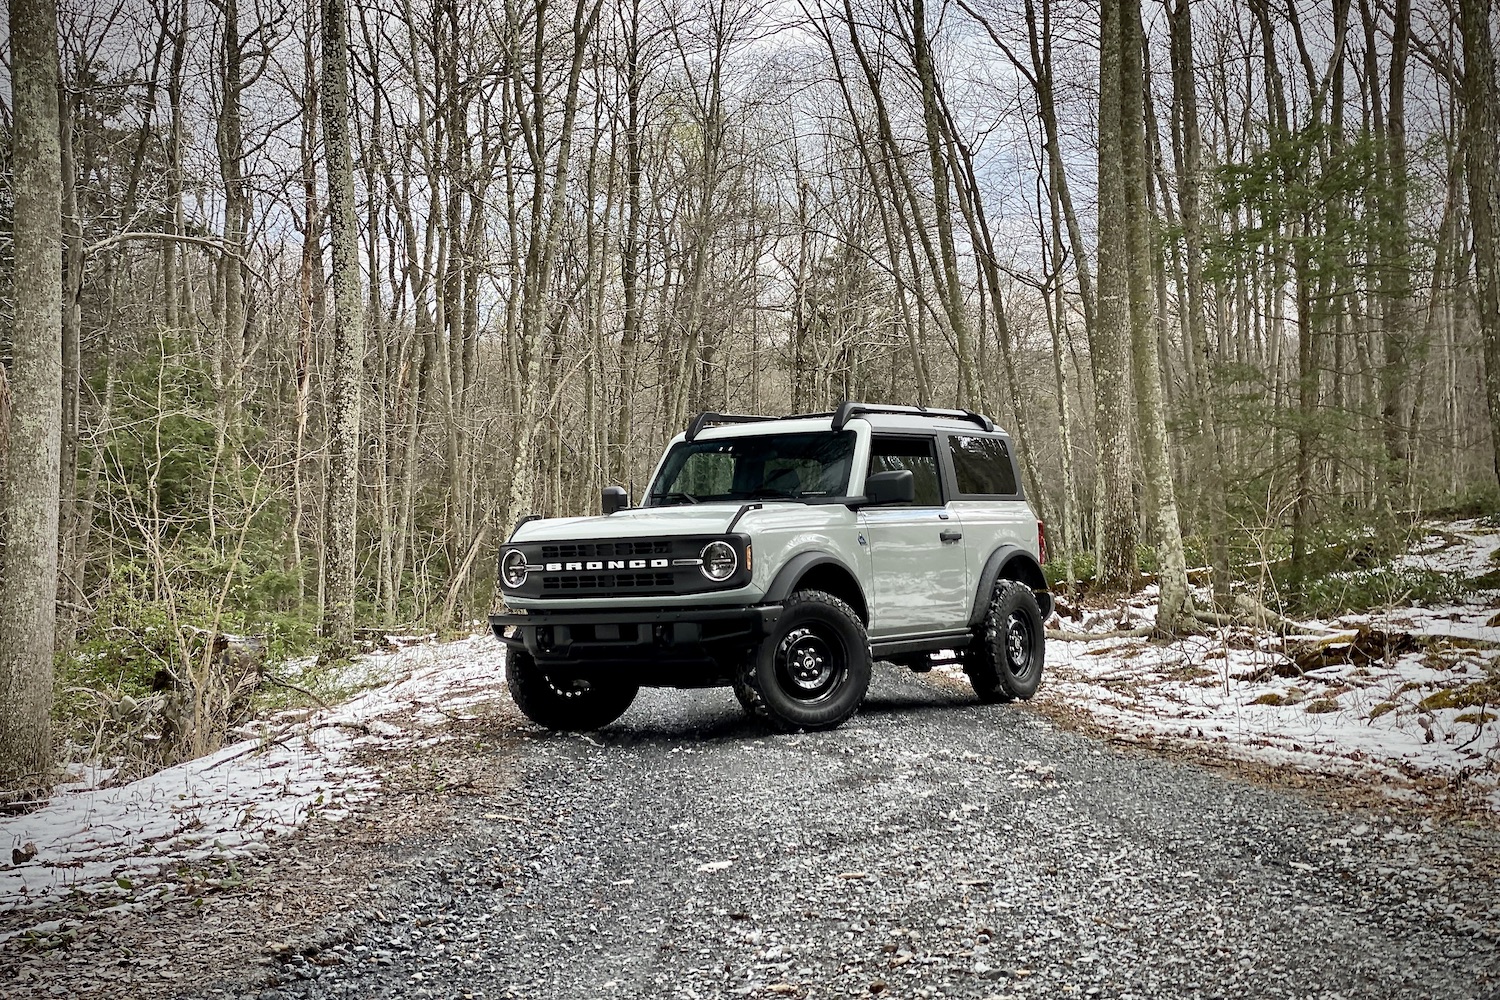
[(689, 647)]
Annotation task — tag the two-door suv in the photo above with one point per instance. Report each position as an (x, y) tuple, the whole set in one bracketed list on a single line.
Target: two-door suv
[(781, 556)]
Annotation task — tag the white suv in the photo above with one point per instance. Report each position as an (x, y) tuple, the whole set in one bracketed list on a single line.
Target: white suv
[(781, 556)]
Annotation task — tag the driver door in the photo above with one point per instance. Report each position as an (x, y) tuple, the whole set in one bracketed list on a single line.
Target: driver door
[(919, 567)]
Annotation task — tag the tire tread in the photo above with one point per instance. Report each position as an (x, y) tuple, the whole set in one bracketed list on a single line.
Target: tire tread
[(747, 684), (991, 682), (543, 704)]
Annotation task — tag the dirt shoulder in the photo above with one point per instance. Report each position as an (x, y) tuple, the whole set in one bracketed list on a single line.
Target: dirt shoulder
[(297, 904), (1416, 795)]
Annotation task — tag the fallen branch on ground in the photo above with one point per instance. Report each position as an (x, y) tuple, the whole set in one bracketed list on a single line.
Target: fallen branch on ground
[(1128, 633), (296, 687)]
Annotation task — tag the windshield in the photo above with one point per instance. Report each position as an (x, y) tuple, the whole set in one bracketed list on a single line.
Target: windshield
[(770, 467)]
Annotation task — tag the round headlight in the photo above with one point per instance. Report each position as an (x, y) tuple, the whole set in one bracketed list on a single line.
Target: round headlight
[(513, 568), (719, 561)]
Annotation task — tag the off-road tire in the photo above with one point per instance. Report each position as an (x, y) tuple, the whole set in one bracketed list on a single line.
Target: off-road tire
[(1006, 658), (812, 671), (565, 705)]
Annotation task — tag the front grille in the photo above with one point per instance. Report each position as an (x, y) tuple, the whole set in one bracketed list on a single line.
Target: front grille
[(608, 582), (630, 549), (569, 570)]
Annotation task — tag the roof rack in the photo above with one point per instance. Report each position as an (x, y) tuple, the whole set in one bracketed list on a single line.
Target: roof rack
[(849, 410), (707, 419)]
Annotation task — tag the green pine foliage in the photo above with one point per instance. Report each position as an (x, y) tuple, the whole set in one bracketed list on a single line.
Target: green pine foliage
[(191, 535)]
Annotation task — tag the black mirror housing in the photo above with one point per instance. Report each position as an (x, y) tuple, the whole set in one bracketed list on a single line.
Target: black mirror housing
[(896, 486), (615, 498)]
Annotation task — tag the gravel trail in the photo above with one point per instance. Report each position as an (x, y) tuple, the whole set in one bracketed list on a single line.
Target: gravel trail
[(931, 848)]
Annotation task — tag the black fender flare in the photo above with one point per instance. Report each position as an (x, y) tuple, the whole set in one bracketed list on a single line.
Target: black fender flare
[(1009, 562), (786, 579)]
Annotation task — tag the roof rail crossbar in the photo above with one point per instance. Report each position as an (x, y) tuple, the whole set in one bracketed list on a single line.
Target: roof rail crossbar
[(848, 410), (707, 419)]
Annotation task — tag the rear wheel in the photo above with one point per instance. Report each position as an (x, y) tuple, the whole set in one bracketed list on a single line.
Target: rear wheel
[(1006, 658), (563, 704), (812, 671)]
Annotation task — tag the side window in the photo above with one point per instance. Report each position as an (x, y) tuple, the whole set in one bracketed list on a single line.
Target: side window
[(982, 466), (919, 454)]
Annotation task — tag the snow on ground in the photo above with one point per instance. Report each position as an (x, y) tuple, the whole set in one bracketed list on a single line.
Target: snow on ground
[(98, 840), (1424, 722), (1468, 546)]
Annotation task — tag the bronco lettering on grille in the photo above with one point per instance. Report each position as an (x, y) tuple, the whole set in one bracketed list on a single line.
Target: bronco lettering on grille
[(571, 567)]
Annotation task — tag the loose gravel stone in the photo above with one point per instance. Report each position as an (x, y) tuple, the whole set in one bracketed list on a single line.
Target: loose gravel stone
[(930, 848)]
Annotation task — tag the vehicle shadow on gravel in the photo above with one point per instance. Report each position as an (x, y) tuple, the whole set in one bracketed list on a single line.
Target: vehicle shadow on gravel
[(659, 719), (902, 704), (706, 719), (662, 733)]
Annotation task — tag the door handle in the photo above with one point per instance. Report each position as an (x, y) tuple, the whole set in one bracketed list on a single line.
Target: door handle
[(950, 535)]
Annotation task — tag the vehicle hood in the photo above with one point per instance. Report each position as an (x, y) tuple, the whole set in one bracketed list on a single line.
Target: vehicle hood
[(638, 522)]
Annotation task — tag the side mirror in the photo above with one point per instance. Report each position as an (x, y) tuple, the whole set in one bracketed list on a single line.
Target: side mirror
[(896, 486), (615, 498)]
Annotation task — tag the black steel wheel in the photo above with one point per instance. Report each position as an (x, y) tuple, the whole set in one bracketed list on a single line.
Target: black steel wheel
[(1007, 656), (563, 704), (812, 671)]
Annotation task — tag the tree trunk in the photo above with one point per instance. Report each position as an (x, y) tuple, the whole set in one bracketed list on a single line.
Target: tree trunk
[(630, 250), (1481, 155), (72, 347), (1111, 347), (347, 362), (231, 346), (1056, 310), (1176, 609), (1211, 443), (308, 297), (1395, 267), (29, 497), (171, 263)]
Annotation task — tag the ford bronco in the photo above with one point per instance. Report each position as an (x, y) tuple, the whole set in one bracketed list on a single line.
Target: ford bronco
[(781, 556)]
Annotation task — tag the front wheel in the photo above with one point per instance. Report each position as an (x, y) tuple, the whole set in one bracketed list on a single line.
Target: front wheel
[(812, 671), (1005, 660), (561, 704)]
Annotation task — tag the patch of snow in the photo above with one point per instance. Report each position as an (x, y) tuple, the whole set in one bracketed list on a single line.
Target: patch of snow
[(1467, 621), (100, 841), (1466, 547), (1376, 720)]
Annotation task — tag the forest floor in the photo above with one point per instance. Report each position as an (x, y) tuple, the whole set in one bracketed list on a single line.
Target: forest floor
[(1393, 711), (1400, 705)]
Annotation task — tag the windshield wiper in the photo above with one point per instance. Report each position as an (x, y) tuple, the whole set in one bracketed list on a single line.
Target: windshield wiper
[(764, 493), (675, 495)]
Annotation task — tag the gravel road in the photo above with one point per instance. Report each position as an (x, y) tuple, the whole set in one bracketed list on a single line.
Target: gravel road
[(930, 848)]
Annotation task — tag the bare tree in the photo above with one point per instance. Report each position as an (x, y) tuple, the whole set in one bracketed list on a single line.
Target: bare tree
[(1110, 349), (1176, 608), (551, 171), (347, 363), (30, 493), (1200, 349), (1481, 152)]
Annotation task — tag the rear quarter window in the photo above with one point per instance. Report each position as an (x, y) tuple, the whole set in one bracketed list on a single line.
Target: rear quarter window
[(982, 466)]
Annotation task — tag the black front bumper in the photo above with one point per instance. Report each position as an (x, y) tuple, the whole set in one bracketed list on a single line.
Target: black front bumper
[(672, 645)]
